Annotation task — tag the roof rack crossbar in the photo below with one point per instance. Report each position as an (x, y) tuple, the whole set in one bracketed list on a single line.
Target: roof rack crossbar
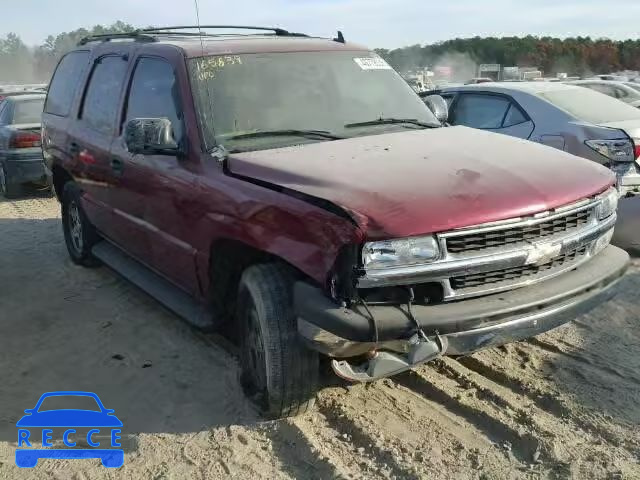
[(136, 35), (276, 30)]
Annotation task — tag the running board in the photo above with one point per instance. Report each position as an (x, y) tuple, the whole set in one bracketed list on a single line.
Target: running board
[(153, 284)]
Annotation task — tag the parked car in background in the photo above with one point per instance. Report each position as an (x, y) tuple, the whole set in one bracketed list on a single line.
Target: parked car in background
[(611, 78), (21, 159), (620, 90), (13, 93), (477, 80), (570, 118), (634, 85), (297, 191)]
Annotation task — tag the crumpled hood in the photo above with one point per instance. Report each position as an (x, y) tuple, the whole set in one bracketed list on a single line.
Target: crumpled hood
[(426, 181)]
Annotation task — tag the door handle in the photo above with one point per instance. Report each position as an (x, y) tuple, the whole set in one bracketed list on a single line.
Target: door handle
[(74, 149), (117, 166)]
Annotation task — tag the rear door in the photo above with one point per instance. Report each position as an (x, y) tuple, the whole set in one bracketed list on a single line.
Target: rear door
[(91, 137), (56, 118), (154, 191), (493, 112)]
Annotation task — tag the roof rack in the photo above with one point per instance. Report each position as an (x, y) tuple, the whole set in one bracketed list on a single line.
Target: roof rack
[(135, 35), (172, 30)]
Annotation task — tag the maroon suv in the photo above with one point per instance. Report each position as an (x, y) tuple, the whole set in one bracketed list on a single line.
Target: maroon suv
[(296, 188)]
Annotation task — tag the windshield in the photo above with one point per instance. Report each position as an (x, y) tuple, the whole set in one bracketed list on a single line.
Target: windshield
[(66, 402), (590, 106), (322, 91), (28, 111)]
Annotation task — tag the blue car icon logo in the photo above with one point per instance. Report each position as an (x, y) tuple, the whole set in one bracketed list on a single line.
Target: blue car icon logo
[(99, 421)]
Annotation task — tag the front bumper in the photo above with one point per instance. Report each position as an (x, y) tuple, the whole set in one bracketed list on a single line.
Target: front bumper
[(27, 166), (464, 326)]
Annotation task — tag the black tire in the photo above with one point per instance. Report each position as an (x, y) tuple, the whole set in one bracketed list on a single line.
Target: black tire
[(79, 234), (8, 189), (283, 382)]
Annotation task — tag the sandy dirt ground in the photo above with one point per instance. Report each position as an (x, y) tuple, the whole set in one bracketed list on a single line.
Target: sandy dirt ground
[(563, 405)]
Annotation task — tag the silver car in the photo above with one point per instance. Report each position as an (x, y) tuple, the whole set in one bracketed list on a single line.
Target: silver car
[(620, 90), (570, 118), (20, 153)]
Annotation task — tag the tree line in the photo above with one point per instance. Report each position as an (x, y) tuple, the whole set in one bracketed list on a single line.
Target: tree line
[(22, 64), (575, 56)]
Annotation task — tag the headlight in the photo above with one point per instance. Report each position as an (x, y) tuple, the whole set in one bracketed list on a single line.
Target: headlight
[(615, 150), (401, 252), (608, 203)]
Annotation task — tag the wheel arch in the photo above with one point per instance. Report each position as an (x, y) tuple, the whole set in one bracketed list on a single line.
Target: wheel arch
[(228, 259), (60, 176)]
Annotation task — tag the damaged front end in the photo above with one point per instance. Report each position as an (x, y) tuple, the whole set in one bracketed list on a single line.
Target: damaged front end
[(396, 304)]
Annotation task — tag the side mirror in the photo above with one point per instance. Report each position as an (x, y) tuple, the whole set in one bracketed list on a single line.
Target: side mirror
[(151, 136), (438, 106)]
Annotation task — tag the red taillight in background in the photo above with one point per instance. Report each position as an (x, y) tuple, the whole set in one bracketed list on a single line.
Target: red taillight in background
[(24, 140), (637, 151)]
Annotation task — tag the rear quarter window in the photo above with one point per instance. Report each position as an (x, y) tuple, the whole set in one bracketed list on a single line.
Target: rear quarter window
[(65, 83), (590, 106), (28, 111), (100, 106)]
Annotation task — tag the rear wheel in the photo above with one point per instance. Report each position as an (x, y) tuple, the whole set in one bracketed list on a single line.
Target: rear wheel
[(7, 188), (277, 371), (79, 235)]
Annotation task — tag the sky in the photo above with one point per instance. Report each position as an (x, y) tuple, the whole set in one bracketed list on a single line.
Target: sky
[(376, 23)]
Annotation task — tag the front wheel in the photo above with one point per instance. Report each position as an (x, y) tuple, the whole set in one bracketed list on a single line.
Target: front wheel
[(277, 371), (79, 234)]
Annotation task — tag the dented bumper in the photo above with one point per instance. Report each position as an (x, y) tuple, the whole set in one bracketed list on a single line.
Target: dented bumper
[(462, 327)]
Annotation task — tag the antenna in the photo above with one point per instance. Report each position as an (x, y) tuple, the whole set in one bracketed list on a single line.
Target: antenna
[(199, 28)]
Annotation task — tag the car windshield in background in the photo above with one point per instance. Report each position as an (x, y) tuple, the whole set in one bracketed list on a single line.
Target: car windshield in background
[(237, 95), (28, 111), (590, 106)]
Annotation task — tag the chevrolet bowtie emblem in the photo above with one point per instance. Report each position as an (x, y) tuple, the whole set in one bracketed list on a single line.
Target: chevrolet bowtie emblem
[(541, 254)]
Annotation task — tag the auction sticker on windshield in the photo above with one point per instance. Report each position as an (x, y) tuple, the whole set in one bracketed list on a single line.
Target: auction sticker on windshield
[(84, 433), (372, 63)]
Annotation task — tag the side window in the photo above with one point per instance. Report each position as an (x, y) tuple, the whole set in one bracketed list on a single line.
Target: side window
[(514, 117), (154, 94), (65, 82), (102, 96), (480, 111)]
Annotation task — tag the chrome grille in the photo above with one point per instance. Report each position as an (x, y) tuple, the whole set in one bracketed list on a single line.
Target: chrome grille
[(520, 234), (516, 273)]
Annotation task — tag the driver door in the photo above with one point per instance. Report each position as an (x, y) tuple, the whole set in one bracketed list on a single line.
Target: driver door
[(156, 189)]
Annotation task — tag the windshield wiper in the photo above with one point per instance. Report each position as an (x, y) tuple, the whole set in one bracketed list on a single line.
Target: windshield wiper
[(391, 121), (287, 133)]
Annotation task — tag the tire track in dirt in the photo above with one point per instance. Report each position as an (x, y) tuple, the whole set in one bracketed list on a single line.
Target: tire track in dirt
[(297, 452), (348, 459), (499, 429), (362, 436), (593, 361), (421, 437), (552, 402), (533, 425)]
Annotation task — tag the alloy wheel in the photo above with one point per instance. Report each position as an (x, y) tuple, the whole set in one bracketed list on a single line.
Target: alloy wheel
[(75, 227)]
